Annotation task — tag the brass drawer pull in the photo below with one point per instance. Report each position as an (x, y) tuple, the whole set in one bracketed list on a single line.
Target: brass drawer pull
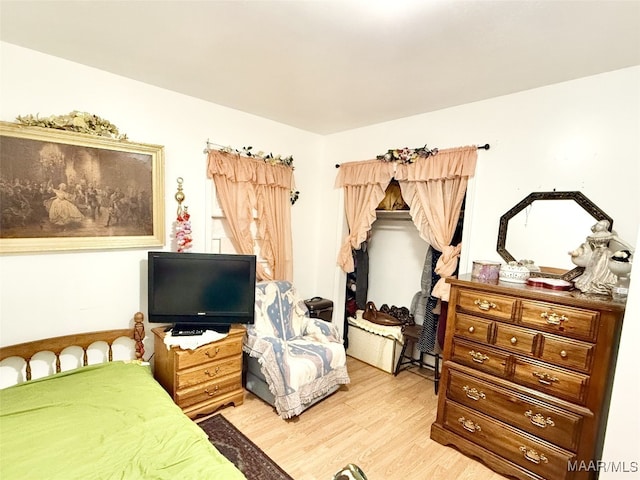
[(538, 419), (474, 393), (553, 318), (208, 352), (563, 354), (533, 456), (513, 340), (215, 372), (469, 425), (545, 378), (472, 329), (485, 304), (211, 394), (478, 357)]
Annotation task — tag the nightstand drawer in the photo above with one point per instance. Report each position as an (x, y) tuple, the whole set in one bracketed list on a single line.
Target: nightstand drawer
[(208, 372), (208, 391), (480, 357), (472, 328), (555, 381), (538, 456), (565, 321), (487, 304), (533, 416), (208, 353), (567, 353)]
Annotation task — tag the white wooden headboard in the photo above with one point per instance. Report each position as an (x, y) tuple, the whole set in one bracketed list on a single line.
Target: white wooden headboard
[(41, 358)]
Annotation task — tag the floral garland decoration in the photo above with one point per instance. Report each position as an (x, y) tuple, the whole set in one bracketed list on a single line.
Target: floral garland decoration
[(407, 155), (269, 158), (183, 231), (81, 122), (183, 224)]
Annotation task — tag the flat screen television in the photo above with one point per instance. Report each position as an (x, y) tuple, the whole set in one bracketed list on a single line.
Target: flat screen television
[(201, 291)]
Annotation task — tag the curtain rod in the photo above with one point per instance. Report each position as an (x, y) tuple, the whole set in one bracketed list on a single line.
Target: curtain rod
[(207, 149), (486, 146)]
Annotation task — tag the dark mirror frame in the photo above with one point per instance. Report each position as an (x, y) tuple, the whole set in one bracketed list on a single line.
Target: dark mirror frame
[(578, 197)]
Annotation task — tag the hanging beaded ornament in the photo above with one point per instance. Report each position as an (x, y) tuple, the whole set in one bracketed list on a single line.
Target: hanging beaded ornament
[(183, 225)]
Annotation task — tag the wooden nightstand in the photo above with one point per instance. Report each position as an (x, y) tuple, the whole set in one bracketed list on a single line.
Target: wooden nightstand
[(201, 380)]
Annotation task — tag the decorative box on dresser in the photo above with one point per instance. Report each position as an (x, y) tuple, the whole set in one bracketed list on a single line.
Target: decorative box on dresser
[(527, 378), (204, 379)]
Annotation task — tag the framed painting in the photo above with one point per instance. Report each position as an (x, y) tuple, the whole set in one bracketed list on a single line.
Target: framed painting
[(62, 190)]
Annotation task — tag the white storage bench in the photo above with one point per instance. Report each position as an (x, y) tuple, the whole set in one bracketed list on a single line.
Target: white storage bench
[(377, 345)]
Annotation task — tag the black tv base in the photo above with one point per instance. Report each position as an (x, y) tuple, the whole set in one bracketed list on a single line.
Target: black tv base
[(194, 329)]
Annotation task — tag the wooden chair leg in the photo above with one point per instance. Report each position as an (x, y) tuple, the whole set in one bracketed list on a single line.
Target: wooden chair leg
[(404, 349)]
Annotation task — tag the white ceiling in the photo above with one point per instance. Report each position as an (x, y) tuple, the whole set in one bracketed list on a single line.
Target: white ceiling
[(328, 66)]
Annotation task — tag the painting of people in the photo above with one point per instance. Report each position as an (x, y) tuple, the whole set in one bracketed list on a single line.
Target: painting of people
[(70, 192)]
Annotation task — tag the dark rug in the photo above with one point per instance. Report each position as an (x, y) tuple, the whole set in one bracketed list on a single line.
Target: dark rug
[(245, 455)]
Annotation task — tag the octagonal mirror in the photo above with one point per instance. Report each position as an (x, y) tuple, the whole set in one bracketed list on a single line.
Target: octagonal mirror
[(544, 227)]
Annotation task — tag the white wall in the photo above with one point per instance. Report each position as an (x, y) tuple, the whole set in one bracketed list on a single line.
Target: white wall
[(621, 446), (45, 294), (396, 258)]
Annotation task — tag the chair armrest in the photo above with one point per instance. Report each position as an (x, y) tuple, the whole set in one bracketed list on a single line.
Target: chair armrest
[(322, 331)]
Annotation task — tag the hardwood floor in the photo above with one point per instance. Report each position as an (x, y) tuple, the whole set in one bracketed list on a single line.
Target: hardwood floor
[(379, 422)]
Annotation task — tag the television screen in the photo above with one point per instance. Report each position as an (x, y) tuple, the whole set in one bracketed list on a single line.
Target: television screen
[(203, 290)]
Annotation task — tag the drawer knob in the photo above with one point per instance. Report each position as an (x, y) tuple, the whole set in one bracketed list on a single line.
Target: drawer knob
[(484, 305), (545, 378), (472, 329), (212, 374), (474, 393), (211, 355), (478, 357), (533, 456), (538, 419), (211, 394), (469, 425), (513, 340), (553, 318), (563, 354)]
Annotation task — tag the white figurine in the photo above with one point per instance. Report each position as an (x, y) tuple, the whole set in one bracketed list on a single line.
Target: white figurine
[(594, 256)]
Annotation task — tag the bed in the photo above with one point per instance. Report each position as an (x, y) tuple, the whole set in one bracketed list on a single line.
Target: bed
[(93, 411)]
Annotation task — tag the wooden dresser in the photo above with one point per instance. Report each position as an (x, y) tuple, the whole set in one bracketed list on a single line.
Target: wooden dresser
[(527, 378), (204, 379)]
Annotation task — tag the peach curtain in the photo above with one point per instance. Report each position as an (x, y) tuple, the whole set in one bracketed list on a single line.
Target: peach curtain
[(364, 185), (434, 188), (244, 185)]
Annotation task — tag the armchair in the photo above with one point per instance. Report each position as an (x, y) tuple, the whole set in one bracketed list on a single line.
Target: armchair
[(293, 361)]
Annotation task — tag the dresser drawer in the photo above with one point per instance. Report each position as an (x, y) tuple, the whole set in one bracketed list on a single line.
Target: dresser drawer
[(538, 456), (487, 304), (210, 371), (473, 328), (555, 381), (538, 418), (565, 321), (480, 357), (516, 339), (567, 353), (207, 353), (204, 392)]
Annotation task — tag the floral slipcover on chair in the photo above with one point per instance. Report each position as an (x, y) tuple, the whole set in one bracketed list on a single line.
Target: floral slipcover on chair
[(302, 359)]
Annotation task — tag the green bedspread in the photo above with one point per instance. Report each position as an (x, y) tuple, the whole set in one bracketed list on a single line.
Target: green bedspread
[(109, 421)]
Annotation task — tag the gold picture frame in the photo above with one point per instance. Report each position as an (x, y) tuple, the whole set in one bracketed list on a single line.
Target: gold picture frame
[(62, 190)]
